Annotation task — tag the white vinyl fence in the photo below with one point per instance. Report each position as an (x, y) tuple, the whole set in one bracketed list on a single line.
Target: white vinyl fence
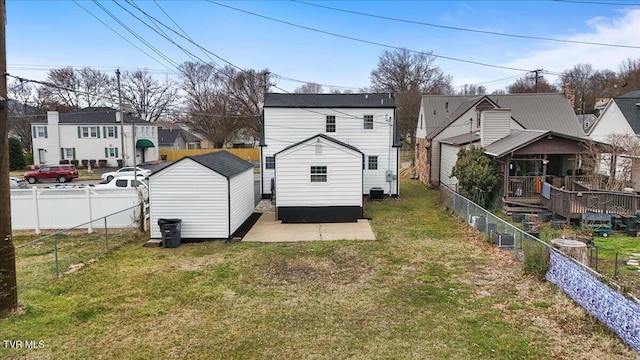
[(41, 208)]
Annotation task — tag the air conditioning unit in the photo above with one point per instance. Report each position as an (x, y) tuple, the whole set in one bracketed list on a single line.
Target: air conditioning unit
[(478, 222), (503, 240)]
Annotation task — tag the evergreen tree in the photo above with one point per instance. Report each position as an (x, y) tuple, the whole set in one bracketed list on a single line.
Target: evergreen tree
[(16, 156)]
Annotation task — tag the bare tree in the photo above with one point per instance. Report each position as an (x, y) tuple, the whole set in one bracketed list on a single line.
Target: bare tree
[(309, 88), (25, 107), (629, 75), (222, 102), (79, 88), (578, 78), (472, 89), (149, 97), (611, 161), (529, 84), (409, 75)]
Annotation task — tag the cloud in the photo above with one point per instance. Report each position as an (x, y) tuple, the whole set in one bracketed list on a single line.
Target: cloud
[(623, 30)]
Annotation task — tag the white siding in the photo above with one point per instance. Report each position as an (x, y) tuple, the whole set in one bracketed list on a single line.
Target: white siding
[(287, 126), (189, 191), (344, 175), (611, 121), (449, 159), (461, 126), (241, 195), (494, 125), (66, 136)]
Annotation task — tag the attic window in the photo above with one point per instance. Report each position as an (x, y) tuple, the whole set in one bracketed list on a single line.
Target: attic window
[(368, 122), (319, 174), (331, 124)]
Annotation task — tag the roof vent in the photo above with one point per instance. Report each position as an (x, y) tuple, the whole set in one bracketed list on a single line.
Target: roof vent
[(381, 101), (366, 96)]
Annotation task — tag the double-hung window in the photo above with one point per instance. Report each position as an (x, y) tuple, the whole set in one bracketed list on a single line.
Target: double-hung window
[(373, 163), (68, 153), (331, 124), (40, 132), (270, 162), (110, 132), (88, 132), (368, 122), (318, 174)]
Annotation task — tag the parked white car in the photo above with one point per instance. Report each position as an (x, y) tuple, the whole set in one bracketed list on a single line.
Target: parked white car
[(126, 182), (17, 183), (126, 171)]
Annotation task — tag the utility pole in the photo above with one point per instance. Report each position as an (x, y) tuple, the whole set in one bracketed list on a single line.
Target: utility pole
[(8, 283), (537, 77), (124, 159)]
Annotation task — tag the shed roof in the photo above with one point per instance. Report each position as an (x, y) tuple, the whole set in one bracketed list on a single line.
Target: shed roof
[(373, 100), (222, 162), (533, 111), (463, 139), (518, 139)]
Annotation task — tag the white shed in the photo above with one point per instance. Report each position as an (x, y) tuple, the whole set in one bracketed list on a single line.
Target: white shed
[(319, 180), (213, 195)]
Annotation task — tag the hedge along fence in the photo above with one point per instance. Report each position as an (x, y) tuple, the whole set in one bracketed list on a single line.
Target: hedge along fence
[(579, 282), (252, 154)]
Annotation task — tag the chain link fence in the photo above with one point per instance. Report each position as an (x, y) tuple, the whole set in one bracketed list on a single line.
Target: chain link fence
[(49, 257)]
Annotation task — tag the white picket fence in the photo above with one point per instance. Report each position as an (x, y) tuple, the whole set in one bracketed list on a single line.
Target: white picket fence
[(41, 208)]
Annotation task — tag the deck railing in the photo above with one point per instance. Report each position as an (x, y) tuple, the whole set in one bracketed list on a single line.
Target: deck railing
[(571, 204), (525, 186)]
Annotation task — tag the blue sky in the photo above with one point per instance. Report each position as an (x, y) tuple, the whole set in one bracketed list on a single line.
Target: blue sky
[(48, 34)]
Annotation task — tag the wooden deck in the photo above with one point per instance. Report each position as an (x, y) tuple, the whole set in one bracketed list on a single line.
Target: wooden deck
[(572, 204)]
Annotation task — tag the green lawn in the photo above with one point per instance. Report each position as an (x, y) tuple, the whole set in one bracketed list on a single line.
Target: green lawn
[(428, 288)]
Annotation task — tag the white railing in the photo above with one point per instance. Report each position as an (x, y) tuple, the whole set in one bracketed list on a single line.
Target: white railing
[(49, 208)]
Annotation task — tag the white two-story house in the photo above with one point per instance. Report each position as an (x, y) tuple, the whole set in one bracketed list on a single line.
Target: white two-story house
[(320, 153), (96, 134)]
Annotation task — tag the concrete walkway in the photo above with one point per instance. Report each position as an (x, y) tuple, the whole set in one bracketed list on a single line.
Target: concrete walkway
[(266, 229)]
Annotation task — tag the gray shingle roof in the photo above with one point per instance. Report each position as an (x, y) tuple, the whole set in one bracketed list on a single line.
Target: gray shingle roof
[(374, 100), (329, 138), (630, 108), (222, 162), (95, 115), (168, 136), (532, 111)]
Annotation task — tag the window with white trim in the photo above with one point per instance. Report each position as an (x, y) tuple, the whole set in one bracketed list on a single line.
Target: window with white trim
[(318, 174), (68, 154), (331, 124), (270, 162), (88, 132), (110, 132), (368, 122), (111, 152), (40, 132), (372, 163)]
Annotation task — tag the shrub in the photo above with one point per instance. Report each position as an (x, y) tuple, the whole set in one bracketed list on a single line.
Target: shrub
[(85, 163), (64, 161), (536, 259), (16, 156), (102, 163)]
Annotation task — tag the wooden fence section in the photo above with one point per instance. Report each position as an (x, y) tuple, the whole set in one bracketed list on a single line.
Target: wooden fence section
[(252, 154), (571, 204)]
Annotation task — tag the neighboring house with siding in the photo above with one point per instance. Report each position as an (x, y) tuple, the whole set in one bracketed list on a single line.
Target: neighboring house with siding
[(366, 122), (620, 116), (214, 209), (446, 119), (93, 134), (177, 139)]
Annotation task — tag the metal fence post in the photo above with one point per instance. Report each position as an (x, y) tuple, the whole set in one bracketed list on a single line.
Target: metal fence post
[(106, 235), (615, 271), (55, 254)]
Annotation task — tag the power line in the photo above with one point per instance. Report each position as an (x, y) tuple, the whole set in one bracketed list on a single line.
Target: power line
[(365, 41), (465, 29), (120, 35)]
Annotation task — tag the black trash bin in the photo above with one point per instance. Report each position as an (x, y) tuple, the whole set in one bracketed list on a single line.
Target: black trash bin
[(170, 229)]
